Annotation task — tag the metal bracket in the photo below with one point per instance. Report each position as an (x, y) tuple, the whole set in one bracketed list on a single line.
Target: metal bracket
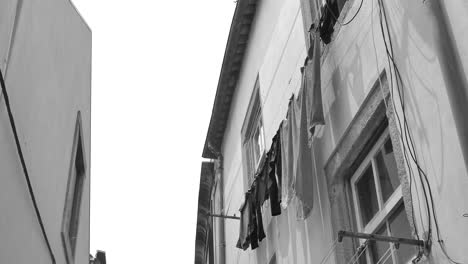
[(396, 240), (224, 216)]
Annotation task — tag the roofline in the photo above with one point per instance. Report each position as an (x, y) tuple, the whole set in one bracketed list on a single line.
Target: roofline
[(229, 75), (79, 14)]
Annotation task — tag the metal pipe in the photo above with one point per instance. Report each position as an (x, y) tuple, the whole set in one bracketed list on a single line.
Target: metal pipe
[(224, 216), (396, 240)]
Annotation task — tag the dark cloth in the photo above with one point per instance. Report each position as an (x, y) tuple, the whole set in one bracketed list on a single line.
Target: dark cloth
[(259, 199), (244, 230), (257, 232), (311, 83), (262, 193), (274, 175), (253, 227), (330, 13)]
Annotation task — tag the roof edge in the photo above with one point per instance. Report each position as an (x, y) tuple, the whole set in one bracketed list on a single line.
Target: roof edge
[(232, 62)]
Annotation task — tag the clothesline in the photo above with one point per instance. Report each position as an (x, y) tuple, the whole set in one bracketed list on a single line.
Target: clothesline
[(286, 169)]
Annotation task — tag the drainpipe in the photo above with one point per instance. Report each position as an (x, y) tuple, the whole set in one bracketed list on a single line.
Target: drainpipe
[(219, 172), (452, 67)]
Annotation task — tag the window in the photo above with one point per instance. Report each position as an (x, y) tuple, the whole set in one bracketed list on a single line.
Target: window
[(378, 202), (71, 214), (253, 137)]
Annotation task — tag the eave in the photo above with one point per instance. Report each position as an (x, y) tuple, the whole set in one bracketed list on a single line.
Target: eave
[(232, 63)]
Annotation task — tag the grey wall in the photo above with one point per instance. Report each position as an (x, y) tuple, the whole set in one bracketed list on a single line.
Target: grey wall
[(48, 78)]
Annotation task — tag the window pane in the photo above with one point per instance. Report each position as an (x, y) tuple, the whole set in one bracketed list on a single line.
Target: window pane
[(256, 147), (367, 196), (388, 173), (400, 227), (379, 249)]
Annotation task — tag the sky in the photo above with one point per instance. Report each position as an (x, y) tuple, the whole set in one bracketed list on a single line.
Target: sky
[(155, 71)]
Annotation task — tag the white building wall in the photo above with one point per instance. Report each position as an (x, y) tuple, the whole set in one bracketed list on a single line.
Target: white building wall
[(350, 68), (48, 78)]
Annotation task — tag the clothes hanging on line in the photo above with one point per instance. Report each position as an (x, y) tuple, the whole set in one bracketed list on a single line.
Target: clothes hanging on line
[(304, 172), (274, 175), (330, 13), (244, 238), (311, 82), (287, 171), (287, 157)]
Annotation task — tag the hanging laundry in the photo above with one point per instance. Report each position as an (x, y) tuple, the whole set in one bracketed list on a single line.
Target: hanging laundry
[(287, 156), (257, 201), (253, 226), (303, 162), (244, 232), (330, 13), (262, 193), (311, 83), (274, 177)]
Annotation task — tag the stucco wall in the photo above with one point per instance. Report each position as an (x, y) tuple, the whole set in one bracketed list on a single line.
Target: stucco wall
[(275, 53), (349, 70), (48, 78)]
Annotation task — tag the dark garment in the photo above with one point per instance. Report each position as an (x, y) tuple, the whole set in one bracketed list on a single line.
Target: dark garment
[(255, 217), (330, 13), (311, 83), (262, 193), (273, 176), (258, 201), (253, 227), (244, 231)]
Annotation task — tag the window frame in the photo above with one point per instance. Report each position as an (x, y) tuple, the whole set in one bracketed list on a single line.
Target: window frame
[(253, 122), (385, 207), (74, 193), (375, 114)]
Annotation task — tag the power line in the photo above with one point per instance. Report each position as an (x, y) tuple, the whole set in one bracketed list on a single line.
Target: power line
[(408, 137), (23, 165)]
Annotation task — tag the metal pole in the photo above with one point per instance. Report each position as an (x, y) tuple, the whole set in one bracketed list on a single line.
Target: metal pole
[(396, 240), (224, 216)]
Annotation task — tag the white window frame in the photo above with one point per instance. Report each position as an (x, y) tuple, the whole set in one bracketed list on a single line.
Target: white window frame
[(253, 122), (385, 208)]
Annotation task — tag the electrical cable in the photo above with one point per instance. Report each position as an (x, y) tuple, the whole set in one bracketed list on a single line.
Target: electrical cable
[(407, 133), (411, 147), (23, 165), (359, 9), (410, 172)]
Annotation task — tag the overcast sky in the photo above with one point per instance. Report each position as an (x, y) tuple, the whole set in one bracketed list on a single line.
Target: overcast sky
[(155, 70)]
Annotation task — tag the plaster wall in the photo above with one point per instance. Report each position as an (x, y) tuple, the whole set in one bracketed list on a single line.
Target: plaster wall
[(48, 77), (351, 64)]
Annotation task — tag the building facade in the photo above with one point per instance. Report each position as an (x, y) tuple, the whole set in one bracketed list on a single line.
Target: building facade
[(392, 156), (45, 61)]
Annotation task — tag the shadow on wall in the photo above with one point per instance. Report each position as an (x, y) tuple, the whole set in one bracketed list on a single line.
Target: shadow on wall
[(417, 65)]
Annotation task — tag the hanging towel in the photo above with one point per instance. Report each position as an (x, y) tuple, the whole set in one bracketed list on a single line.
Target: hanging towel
[(311, 83), (287, 156), (303, 162)]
